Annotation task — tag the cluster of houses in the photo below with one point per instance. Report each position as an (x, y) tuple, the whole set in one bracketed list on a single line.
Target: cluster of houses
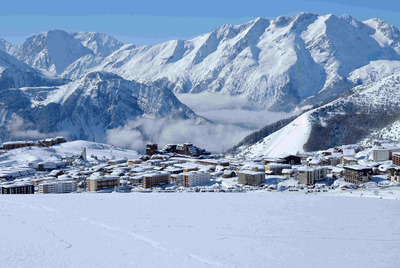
[(182, 166)]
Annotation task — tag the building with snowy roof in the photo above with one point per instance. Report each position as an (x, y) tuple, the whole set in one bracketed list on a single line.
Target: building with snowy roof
[(381, 155), (248, 177), (196, 178), (357, 174), (95, 183), (309, 175), (57, 187), (18, 188), (150, 180)]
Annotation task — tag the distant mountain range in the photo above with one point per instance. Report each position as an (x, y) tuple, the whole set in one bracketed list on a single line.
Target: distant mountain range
[(286, 64)]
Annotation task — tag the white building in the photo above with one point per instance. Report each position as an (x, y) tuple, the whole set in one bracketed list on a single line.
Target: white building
[(57, 187), (196, 178), (381, 155), (309, 175)]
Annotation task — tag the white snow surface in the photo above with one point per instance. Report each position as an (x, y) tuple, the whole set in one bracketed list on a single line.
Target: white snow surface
[(198, 230), (23, 156), (288, 140)]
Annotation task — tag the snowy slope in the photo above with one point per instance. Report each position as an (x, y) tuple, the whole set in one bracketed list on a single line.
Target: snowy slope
[(365, 113), (6, 46), (14, 73), (153, 230), (24, 156), (86, 107), (277, 63), (288, 140)]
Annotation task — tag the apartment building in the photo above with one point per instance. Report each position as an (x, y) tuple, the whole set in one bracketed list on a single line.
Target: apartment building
[(381, 155), (18, 188), (357, 174), (196, 178), (309, 175), (95, 183), (57, 187), (396, 159), (152, 179), (248, 177)]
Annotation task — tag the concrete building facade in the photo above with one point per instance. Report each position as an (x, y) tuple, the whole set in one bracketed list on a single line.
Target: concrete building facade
[(57, 187), (94, 184), (253, 178), (357, 174), (196, 178), (309, 175), (152, 179)]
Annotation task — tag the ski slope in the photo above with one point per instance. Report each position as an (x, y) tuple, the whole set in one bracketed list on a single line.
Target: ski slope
[(288, 140), (198, 230)]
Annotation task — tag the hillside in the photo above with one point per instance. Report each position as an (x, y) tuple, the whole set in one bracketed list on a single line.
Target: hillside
[(364, 113)]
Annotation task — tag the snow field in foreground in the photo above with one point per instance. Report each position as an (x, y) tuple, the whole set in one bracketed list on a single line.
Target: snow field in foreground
[(198, 230)]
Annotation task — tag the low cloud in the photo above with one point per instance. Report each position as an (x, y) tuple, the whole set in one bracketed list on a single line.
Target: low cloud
[(19, 128), (226, 109), (214, 138)]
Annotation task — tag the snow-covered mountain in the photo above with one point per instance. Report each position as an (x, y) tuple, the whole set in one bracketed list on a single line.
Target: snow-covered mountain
[(14, 74), (55, 50), (6, 46), (362, 114), (279, 64), (306, 58), (86, 107)]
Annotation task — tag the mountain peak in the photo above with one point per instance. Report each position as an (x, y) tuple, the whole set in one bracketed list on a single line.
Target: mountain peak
[(101, 75)]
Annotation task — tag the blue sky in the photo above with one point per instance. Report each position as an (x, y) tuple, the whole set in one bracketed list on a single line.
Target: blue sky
[(151, 22)]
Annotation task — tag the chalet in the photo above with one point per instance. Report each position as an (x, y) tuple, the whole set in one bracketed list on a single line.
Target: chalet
[(229, 173), (273, 160), (348, 160), (288, 172), (224, 163), (331, 160), (349, 153), (314, 162), (384, 168), (154, 163), (292, 159), (337, 171), (117, 161), (134, 161)]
